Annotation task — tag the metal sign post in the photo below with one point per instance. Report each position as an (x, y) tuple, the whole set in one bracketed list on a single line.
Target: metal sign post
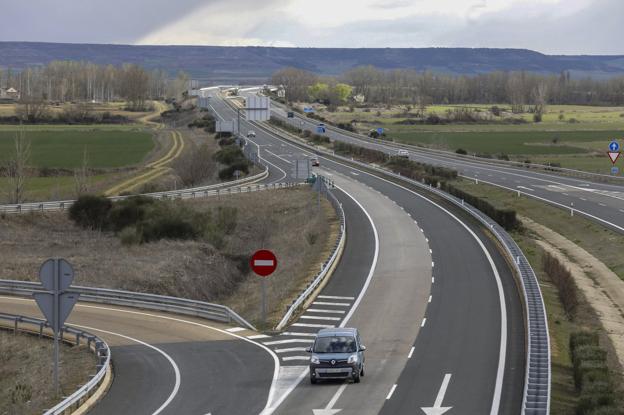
[(56, 276), (263, 263)]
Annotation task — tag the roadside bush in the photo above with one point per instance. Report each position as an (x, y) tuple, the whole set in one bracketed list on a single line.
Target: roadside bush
[(361, 153), (167, 227), (229, 155), (130, 236), (563, 281), (461, 151), (504, 217), (224, 142), (90, 211), (129, 212), (319, 139), (346, 126)]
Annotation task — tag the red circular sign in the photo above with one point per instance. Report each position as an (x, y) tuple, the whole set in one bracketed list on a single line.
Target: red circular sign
[(263, 262)]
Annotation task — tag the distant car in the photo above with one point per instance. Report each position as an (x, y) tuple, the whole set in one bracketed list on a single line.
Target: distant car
[(251, 134), (337, 353), (315, 162), (403, 154)]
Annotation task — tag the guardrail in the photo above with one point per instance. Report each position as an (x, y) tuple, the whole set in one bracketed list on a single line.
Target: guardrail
[(209, 311), (94, 343), (322, 182), (482, 160), (181, 194), (536, 397)]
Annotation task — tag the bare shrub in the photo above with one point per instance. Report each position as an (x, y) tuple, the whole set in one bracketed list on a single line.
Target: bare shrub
[(562, 279)]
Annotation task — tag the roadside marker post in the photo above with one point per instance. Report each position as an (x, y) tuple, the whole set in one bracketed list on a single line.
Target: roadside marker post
[(55, 303), (263, 263)]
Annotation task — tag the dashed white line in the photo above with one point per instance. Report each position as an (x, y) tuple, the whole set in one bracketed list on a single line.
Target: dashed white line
[(430, 297), (258, 336), (332, 304), (602, 204), (423, 322), (391, 392), (316, 310), (432, 264), (432, 280), (235, 329), (335, 297), (287, 341), (291, 349), (409, 356), (298, 334), (289, 358), (319, 326), (320, 318)]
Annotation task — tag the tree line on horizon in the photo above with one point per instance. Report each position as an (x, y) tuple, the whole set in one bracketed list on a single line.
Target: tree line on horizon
[(410, 87), (77, 81)]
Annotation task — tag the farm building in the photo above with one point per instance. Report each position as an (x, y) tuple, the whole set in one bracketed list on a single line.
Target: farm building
[(9, 94)]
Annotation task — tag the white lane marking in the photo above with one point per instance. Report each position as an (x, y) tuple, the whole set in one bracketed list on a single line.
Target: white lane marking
[(373, 264), (430, 297), (298, 334), (279, 157), (316, 310), (432, 280), (235, 329), (258, 336), (328, 409), (291, 349), (335, 297), (583, 199), (176, 369), (499, 284), (391, 391), (354, 173), (305, 317), (437, 405), (430, 251), (289, 358), (268, 162), (432, 264), (552, 186), (427, 239), (288, 341), (332, 304), (565, 194), (602, 204), (526, 188), (561, 205), (409, 356), (423, 322), (320, 326), (622, 210)]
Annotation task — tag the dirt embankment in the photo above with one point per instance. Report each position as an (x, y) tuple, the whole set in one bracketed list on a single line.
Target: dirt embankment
[(288, 221), (26, 373), (600, 286)]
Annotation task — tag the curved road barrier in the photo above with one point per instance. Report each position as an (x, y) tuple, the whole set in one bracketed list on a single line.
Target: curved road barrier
[(327, 266), (94, 343), (536, 397), (176, 305), (191, 193)]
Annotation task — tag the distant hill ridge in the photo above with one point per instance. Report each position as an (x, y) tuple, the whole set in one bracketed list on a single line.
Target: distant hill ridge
[(256, 64)]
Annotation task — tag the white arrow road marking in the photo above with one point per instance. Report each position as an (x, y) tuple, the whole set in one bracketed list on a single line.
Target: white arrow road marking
[(329, 408), (437, 408)]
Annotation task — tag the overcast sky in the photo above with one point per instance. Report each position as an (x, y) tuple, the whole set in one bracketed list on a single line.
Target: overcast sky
[(549, 26)]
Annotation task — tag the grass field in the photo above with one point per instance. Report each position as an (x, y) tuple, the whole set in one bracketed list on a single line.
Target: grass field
[(579, 145), (63, 148), (115, 108)]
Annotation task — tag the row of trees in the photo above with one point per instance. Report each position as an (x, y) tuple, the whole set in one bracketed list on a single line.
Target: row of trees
[(409, 87), (69, 81)]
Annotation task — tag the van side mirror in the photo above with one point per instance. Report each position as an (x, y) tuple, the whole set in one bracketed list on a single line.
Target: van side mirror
[(308, 349), (362, 348)]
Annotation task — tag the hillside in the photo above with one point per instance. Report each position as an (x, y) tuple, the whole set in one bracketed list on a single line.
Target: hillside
[(255, 64)]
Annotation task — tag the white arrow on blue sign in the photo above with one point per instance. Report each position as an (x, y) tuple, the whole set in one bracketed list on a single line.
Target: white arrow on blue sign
[(614, 146)]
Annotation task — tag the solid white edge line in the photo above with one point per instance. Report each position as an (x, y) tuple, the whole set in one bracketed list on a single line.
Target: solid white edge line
[(176, 369), (356, 303), (391, 391), (503, 307), (268, 162)]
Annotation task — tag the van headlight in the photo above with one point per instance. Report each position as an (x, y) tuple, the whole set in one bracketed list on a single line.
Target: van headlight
[(353, 358), (314, 360)]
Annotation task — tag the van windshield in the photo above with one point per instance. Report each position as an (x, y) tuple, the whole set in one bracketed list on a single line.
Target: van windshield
[(335, 344)]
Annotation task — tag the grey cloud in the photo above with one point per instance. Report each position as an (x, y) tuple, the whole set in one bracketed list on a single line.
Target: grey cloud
[(85, 21)]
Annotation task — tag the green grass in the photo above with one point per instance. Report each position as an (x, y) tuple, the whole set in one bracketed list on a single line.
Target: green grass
[(74, 127), (52, 188), (64, 148)]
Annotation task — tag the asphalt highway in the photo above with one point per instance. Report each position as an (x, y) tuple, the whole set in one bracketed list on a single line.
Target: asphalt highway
[(472, 332), (600, 202), (167, 364)]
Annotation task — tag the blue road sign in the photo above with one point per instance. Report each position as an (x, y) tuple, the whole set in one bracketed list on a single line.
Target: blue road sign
[(615, 170), (614, 146), (380, 131), (308, 109)]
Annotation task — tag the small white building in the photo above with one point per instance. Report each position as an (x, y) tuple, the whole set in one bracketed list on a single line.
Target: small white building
[(9, 94)]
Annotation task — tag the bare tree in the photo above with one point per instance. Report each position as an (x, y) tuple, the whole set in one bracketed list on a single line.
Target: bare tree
[(196, 166), (81, 175), (31, 109), (15, 168)]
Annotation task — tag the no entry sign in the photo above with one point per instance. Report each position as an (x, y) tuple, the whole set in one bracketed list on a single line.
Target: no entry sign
[(263, 263)]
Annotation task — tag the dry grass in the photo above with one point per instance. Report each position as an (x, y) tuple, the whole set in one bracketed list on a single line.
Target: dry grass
[(26, 372), (284, 221)]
